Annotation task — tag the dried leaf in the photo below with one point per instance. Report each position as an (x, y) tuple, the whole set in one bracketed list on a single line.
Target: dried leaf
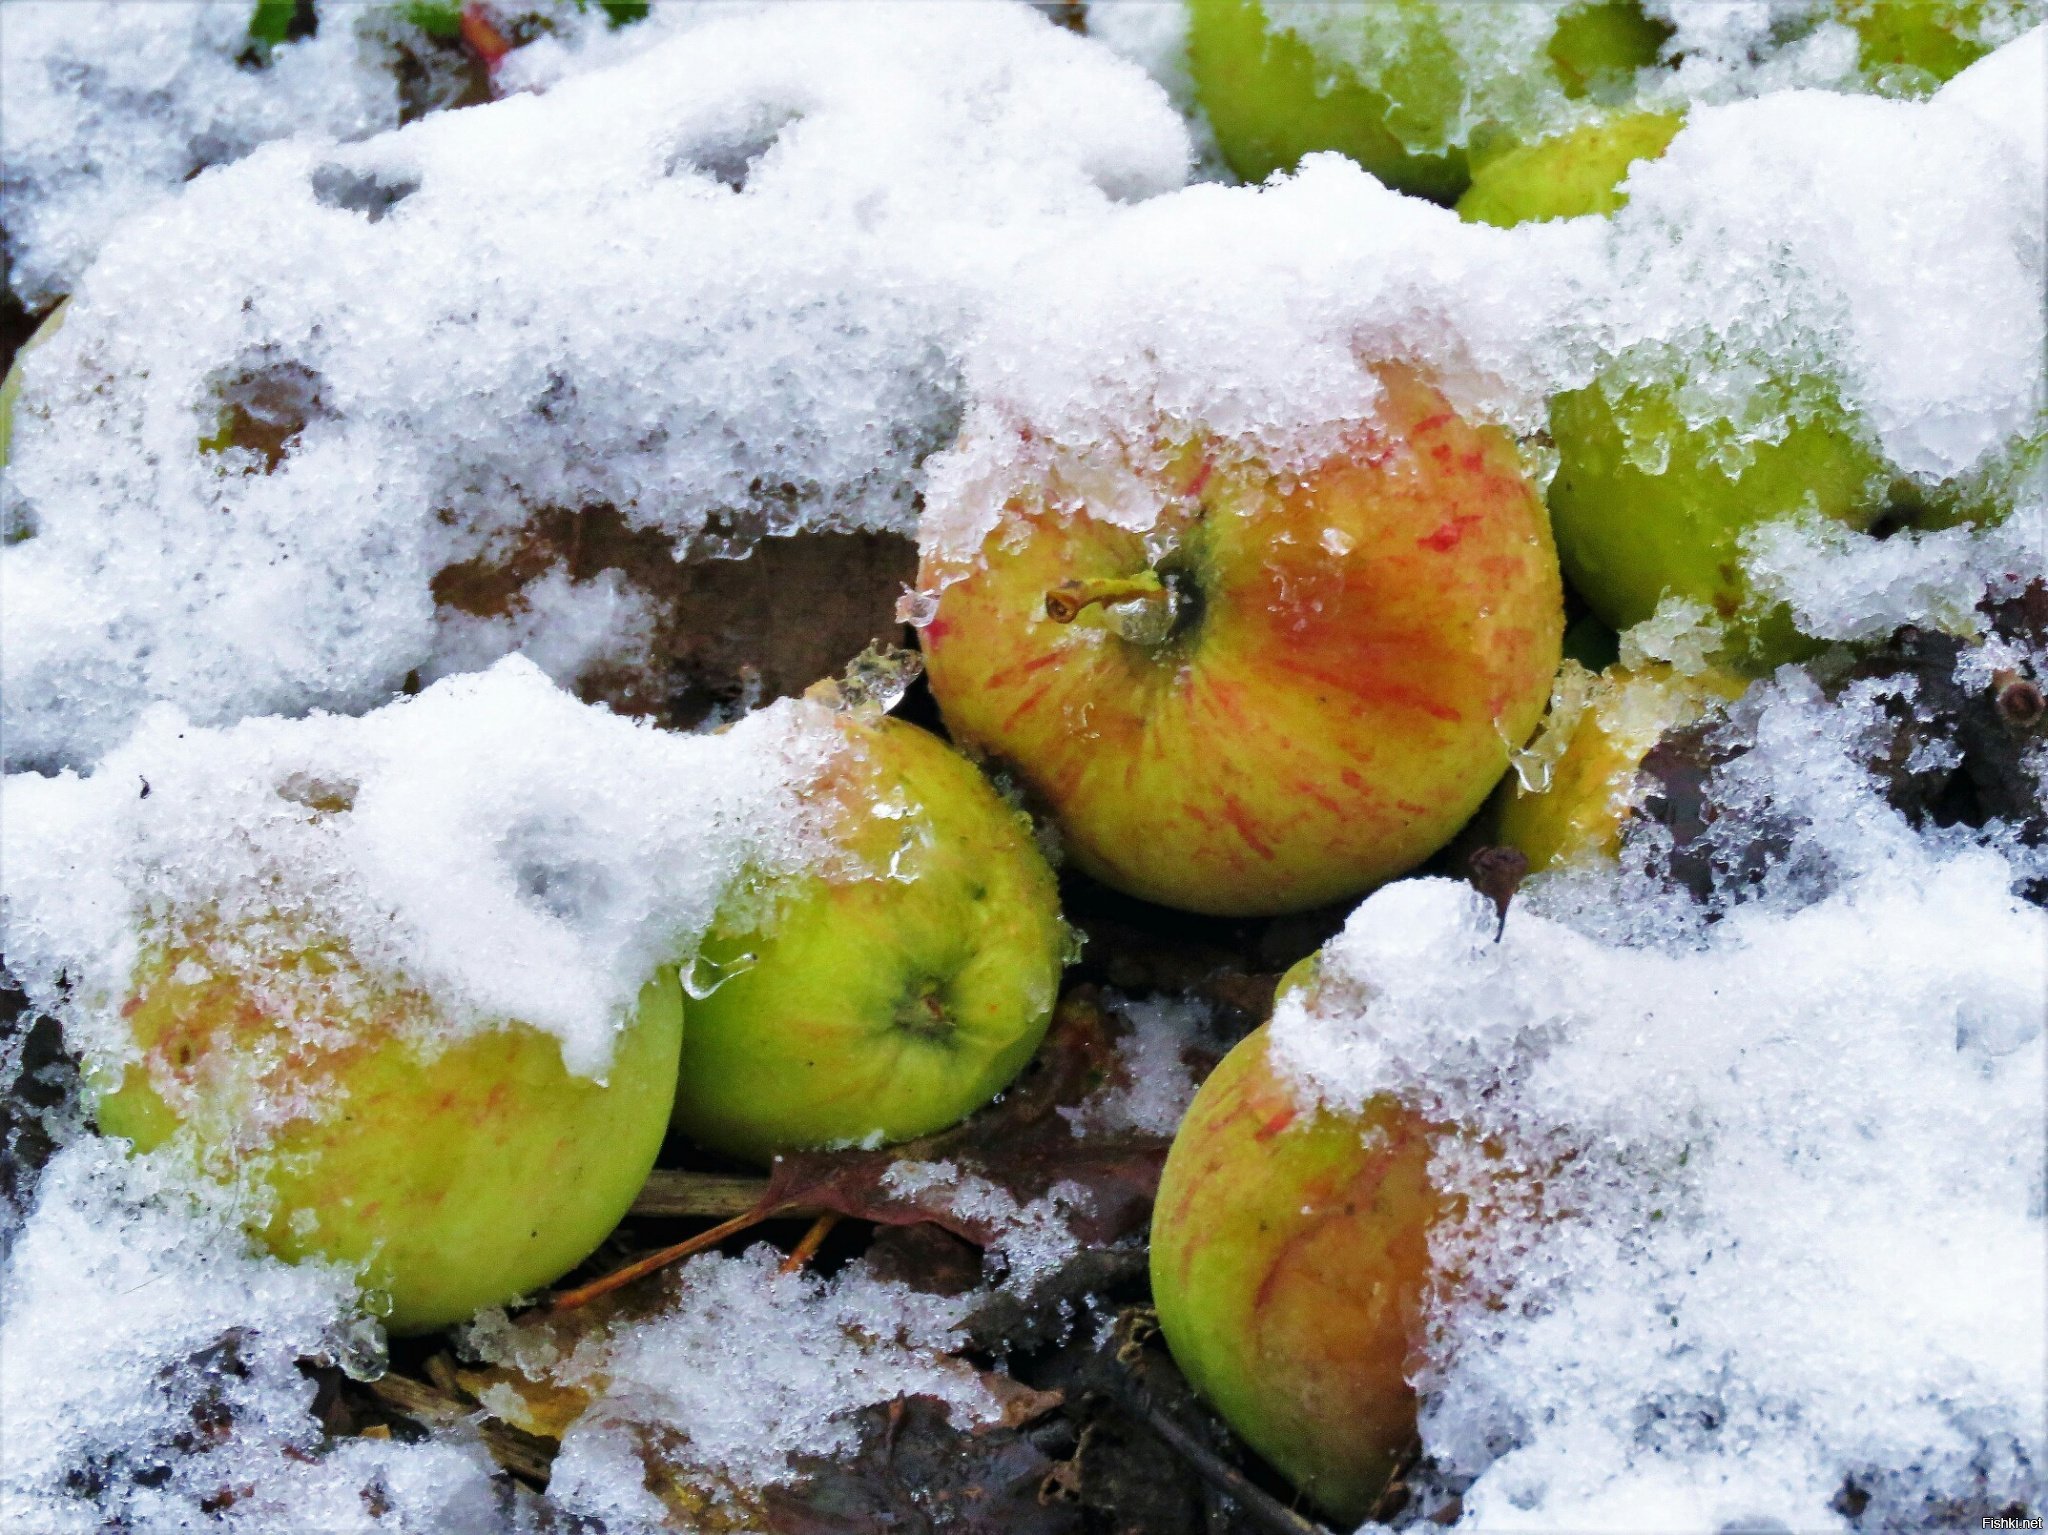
[(534, 1407)]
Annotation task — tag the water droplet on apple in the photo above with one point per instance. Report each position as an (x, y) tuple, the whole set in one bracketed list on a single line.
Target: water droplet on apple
[(702, 976), (1338, 542), (916, 608)]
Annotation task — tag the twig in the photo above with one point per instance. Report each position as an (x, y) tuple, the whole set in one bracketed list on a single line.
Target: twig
[(570, 1299), (1122, 1384), (1266, 1511), (813, 1239), (672, 1194), (516, 1451)]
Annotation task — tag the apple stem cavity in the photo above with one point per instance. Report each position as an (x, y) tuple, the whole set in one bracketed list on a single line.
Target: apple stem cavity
[(2018, 700)]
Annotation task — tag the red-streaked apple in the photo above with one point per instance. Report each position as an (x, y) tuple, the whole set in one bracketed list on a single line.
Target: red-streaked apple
[(1291, 1270), (457, 1172), (891, 989), (1291, 688)]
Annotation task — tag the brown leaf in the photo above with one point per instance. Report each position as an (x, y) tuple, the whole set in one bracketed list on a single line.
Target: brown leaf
[(914, 1473)]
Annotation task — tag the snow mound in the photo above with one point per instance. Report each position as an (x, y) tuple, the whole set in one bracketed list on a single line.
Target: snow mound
[(717, 287), (492, 842), (149, 1375), (1758, 1236)]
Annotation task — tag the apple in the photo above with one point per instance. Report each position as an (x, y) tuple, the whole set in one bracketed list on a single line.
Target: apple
[(1648, 504), (457, 1175), (1292, 688), (10, 386), (1291, 1269), (892, 990), (1272, 97), (1916, 44), (1567, 176), (1584, 769)]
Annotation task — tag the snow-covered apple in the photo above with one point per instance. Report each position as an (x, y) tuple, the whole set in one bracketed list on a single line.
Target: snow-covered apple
[(1291, 1269), (458, 1169), (1292, 686), (1569, 175), (1914, 45), (1653, 495), (1581, 781), (889, 986), (1388, 85)]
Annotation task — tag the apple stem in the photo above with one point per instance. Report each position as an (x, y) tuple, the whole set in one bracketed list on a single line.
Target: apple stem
[(1065, 602), (813, 1239)]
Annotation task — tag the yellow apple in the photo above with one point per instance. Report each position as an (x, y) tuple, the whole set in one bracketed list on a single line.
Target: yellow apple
[(458, 1173)]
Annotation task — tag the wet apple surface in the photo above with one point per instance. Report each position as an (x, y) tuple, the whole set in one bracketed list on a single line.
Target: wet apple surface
[(1312, 684), (457, 1174), (1290, 1266), (891, 991)]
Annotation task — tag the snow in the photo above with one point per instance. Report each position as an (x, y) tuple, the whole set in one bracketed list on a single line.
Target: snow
[(810, 1351), (1764, 1194), (148, 1375), (1758, 1205), (1153, 1082), (492, 842), (527, 350), (1032, 1239)]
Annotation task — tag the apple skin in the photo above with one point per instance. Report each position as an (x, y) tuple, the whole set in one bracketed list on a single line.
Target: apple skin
[(1271, 99), (890, 994), (1354, 651), (1569, 176), (10, 386), (458, 1180), (1628, 536), (1291, 1270), (1932, 38), (1579, 814)]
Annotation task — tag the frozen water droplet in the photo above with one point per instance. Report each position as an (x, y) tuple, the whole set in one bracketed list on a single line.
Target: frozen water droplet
[(1338, 542), (356, 1343), (916, 608), (878, 677), (702, 976)]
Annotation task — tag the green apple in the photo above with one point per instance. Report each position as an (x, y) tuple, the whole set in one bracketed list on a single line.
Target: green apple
[(1583, 783), (892, 990), (1572, 174), (1272, 96), (1291, 1269), (1915, 45), (1648, 504), (1291, 688), (10, 386), (456, 1175)]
